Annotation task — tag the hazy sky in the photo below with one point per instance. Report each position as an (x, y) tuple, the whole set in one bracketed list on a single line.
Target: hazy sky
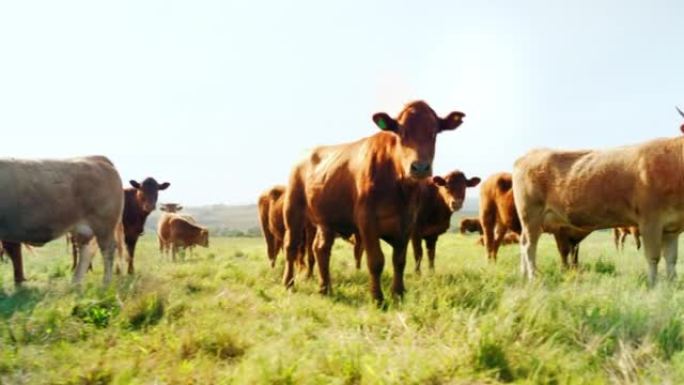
[(220, 98)]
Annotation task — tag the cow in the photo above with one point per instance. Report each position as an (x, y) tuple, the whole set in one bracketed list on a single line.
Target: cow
[(167, 209), (470, 225), (181, 233), (439, 198), (49, 198), (620, 235), (636, 185), (510, 238), (369, 187), (498, 216), (497, 212), (139, 201)]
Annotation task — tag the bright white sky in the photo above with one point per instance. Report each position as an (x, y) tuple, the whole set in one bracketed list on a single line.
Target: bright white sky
[(220, 98)]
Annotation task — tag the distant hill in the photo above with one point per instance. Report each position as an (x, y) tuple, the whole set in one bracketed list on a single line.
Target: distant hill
[(244, 220)]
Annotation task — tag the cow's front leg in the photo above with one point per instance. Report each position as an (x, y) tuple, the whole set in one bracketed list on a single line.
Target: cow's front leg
[(416, 242), (431, 245), (130, 246), (13, 249), (375, 261), (399, 263)]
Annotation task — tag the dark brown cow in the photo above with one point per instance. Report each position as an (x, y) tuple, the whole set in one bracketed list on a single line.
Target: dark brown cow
[(139, 201), (620, 236), (183, 234), (470, 225), (498, 216), (439, 198), (369, 187)]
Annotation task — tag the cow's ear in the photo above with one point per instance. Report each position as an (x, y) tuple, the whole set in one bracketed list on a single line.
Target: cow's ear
[(385, 122), (438, 180), (164, 186), (472, 182), (452, 121), (179, 208), (135, 184)]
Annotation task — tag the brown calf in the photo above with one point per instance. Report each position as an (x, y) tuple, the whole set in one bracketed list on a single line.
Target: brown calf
[(620, 236), (439, 198), (470, 225), (183, 234), (369, 187)]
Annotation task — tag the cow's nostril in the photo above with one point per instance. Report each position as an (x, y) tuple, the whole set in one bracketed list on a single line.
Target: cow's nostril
[(420, 167)]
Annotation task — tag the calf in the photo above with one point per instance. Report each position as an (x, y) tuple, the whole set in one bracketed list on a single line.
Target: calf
[(470, 225), (369, 187), (139, 201), (183, 234), (638, 185), (48, 198), (439, 198), (168, 209), (620, 236)]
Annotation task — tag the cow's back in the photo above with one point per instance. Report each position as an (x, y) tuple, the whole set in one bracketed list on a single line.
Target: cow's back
[(43, 199), (621, 183)]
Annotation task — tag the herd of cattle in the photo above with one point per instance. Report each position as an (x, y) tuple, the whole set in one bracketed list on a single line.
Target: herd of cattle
[(379, 187), (83, 198)]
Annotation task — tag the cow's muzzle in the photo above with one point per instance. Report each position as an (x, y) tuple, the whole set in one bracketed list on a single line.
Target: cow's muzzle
[(421, 169)]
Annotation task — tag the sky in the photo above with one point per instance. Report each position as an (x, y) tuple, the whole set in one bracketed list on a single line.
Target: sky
[(220, 98)]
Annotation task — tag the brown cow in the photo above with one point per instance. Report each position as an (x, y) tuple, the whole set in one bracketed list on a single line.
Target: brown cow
[(498, 216), (439, 198), (497, 212), (48, 198), (183, 234), (139, 201), (620, 236), (637, 185), (169, 208), (369, 187), (470, 225), (272, 222)]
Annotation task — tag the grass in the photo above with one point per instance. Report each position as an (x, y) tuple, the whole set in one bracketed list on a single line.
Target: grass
[(221, 316)]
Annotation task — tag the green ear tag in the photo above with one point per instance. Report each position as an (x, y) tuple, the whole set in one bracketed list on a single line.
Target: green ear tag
[(382, 124)]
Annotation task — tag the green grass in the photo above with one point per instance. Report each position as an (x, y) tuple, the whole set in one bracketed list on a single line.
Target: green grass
[(221, 316)]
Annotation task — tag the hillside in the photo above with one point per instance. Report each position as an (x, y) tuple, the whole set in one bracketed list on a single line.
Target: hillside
[(233, 219)]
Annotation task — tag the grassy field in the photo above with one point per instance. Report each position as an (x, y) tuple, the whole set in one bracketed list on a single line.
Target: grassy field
[(222, 316)]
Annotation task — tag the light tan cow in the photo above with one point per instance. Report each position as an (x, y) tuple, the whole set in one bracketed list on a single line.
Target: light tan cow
[(42, 200), (580, 191)]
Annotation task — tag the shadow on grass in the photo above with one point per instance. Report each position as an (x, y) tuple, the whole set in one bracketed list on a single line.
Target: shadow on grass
[(22, 299)]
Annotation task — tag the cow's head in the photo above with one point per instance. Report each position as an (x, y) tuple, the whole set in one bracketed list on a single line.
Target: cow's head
[(203, 238), (147, 193), (452, 188), (682, 114), (170, 207), (417, 127)]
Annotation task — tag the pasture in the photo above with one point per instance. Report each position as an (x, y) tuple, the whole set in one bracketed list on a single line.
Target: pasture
[(222, 316)]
